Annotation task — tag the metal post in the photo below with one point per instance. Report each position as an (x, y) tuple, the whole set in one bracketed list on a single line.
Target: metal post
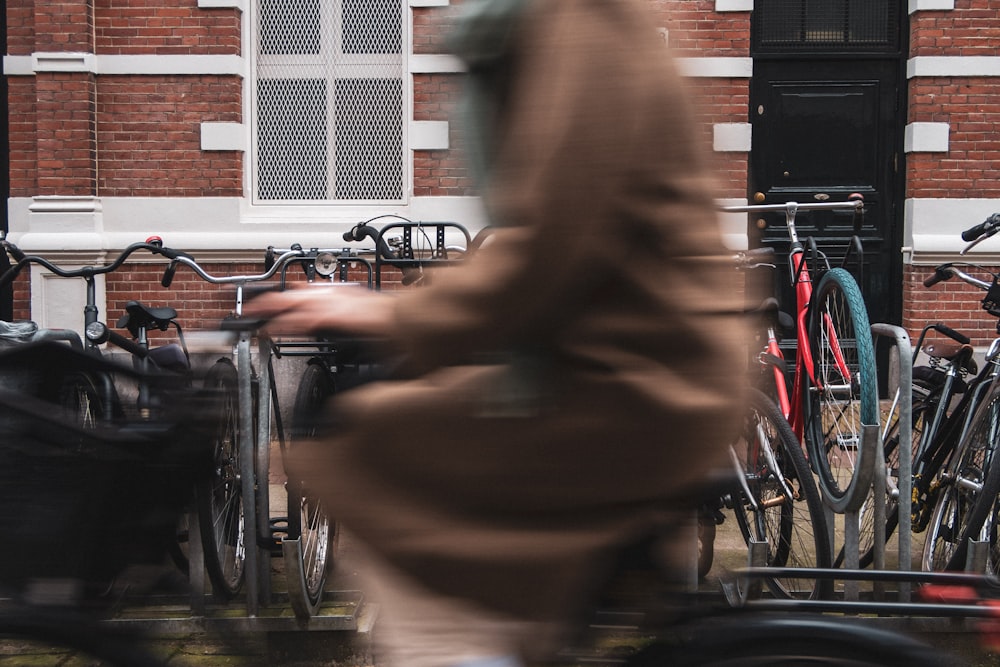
[(263, 463), (905, 448), (248, 478)]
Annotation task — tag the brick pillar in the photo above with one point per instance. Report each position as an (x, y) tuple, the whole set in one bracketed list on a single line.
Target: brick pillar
[(65, 98)]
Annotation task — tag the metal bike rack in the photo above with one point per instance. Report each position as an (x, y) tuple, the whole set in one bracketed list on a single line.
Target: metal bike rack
[(901, 340)]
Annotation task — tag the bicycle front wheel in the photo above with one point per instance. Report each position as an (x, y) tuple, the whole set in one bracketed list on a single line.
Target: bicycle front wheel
[(311, 544), (219, 496), (841, 392), (784, 506), (968, 489)]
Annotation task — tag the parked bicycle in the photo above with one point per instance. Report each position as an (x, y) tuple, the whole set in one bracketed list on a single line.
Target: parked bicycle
[(88, 501), (776, 502), (833, 403), (93, 395)]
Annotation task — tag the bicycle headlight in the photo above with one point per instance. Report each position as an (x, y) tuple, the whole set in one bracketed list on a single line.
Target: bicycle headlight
[(97, 332), (326, 264)]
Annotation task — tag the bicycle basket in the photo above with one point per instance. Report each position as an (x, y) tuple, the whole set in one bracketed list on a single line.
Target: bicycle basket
[(81, 500)]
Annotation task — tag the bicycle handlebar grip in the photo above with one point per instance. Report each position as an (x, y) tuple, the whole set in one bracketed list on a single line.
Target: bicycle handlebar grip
[(988, 227), (168, 274), (14, 251), (951, 333), (938, 276)]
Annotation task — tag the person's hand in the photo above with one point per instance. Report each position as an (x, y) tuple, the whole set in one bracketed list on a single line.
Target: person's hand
[(324, 308)]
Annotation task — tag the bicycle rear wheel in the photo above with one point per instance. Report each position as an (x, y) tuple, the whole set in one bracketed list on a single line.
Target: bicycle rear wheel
[(890, 496), (969, 486), (841, 393), (219, 497), (310, 547), (784, 506)]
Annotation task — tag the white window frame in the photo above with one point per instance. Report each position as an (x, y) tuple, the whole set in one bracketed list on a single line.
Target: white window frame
[(328, 65)]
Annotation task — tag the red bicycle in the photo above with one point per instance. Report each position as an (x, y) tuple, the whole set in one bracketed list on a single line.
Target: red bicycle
[(833, 403)]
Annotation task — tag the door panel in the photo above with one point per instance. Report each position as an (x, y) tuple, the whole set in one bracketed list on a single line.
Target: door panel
[(821, 131)]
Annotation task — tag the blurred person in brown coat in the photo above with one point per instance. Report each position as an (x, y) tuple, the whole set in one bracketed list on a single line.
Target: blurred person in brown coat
[(488, 495)]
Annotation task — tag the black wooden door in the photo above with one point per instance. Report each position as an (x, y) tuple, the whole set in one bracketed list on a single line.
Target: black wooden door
[(822, 130)]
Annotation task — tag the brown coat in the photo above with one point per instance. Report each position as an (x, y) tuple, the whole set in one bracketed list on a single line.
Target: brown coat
[(606, 287)]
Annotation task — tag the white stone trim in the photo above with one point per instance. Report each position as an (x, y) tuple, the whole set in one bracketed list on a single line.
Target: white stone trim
[(221, 4), (434, 64), (731, 137), (932, 230), (429, 3), (168, 64), (926, 138), (63, 61), (931, 5), (220, 227), (18, 65), (429, 135), (736, 68), (223, 137), (734, 5), (129, 64), (964, 66), (733, 226)]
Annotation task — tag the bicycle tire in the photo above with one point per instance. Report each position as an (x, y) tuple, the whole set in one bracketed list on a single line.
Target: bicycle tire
[(841, 412), (787, 641), (969, 485), (219, 497), (308, 521), (796, 528)]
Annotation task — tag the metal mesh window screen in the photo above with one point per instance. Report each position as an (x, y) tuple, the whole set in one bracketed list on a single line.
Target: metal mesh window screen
[(838, 25), (328, 103)]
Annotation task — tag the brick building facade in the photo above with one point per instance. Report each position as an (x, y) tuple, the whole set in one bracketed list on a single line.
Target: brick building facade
[(129, 118)]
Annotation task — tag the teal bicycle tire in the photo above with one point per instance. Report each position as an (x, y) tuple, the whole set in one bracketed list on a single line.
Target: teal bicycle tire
[(841, 413)]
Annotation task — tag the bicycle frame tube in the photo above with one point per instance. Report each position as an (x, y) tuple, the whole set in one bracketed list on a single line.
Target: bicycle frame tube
[(803, 356)]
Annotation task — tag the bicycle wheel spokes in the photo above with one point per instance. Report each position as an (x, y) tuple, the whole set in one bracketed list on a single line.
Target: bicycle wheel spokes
[(969, 486), (784, 506), (219, 498), (890, 493), (841, 399)]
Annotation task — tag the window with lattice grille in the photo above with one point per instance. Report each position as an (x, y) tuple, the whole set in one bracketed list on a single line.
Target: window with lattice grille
[(807, 26), (328, 101)]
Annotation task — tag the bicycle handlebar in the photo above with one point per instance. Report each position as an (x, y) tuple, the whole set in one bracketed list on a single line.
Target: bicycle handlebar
[(984, 229), (949, 271), (153, 244), (950, 333), (279, 261)]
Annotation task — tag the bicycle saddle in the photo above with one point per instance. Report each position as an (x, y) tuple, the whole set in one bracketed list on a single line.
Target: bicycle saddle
[(138, 316)]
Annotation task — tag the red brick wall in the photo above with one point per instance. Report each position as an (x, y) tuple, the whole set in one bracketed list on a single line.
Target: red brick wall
[(23, 136), (165, 27), (970, 106), (149, 133), (953, 303), (697, 30)]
